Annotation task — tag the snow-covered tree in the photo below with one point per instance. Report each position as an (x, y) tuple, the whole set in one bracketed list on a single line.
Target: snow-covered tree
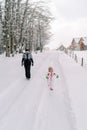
[(1, 47), (25, 24)]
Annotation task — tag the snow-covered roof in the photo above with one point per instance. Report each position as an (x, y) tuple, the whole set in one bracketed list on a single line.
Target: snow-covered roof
[(76, 40)]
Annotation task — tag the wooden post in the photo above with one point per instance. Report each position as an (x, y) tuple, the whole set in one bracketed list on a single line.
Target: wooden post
[(72, 54), (82, 62), (76, 58)]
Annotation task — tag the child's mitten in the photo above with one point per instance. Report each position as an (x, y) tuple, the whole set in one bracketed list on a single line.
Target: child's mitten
[(46, 77), (57, 76)]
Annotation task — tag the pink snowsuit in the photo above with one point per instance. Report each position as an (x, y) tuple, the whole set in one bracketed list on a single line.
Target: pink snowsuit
[(50, 79)]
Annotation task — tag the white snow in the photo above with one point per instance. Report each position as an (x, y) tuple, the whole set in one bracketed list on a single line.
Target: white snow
[(80, 55), (30, 105)]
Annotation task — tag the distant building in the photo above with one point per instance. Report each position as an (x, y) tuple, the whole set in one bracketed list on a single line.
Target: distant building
[(61, 48), (78, 44)]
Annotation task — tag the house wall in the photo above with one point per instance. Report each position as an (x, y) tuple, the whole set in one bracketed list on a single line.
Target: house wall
[(80, 45), (85, 47)]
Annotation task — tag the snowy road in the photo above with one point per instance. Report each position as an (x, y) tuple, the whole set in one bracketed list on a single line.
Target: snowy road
[(29, 104)]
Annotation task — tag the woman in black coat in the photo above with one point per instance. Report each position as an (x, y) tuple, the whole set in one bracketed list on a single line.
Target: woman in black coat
[(27, 60)]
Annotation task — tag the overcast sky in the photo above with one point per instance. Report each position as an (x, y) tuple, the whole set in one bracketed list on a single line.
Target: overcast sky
[(70, 20)]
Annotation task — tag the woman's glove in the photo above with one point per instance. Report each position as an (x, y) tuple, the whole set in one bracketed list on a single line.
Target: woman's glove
[(57, 76), (46, 77)]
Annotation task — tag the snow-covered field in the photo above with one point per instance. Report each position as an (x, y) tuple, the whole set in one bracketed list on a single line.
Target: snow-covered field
[(30, 105)]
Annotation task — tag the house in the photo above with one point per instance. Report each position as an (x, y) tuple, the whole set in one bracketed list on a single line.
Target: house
[(61, 48), (83, 43), (79, 44)]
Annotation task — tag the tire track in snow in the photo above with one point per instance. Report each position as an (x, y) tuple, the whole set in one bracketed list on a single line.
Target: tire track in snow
[(13, 92), (18, 91), (39, 117), (40, 93), (67, 100), (10, 95)]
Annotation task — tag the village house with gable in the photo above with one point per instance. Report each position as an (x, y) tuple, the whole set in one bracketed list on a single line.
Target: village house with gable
[(61, 48), (78, 44)]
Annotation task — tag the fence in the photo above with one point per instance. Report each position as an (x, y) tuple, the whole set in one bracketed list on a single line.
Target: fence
[(82, 60)]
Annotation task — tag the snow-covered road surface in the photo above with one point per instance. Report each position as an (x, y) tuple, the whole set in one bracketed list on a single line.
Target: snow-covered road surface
[(29, 104)]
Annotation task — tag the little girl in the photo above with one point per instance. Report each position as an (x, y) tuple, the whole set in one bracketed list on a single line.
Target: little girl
[(50, 77)]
